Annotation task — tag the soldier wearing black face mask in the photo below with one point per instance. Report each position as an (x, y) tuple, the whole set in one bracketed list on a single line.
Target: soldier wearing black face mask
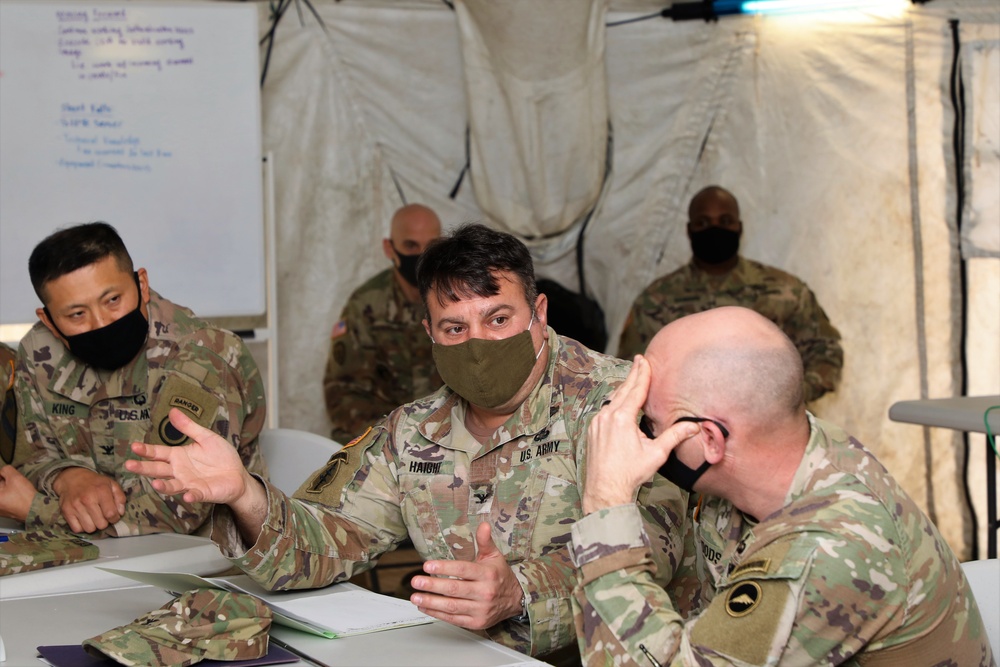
[(718, 276), (100, 370), (380, 357)]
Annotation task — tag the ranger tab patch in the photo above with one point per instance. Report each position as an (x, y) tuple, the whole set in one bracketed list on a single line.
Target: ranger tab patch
[(182, 393)]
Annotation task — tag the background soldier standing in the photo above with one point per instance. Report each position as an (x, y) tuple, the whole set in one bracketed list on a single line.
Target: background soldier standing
[(718, 276)]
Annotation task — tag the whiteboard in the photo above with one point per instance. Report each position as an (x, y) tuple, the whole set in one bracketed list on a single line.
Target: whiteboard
[(145, 116)]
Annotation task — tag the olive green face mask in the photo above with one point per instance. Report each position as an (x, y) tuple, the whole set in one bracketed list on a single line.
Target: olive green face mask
[(487, 373)]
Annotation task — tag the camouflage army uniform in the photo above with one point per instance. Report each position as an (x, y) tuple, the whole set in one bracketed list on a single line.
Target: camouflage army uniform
[(8, 404), (380, 357), (778, 296), (72, 415), (849, 571), (420, 474)]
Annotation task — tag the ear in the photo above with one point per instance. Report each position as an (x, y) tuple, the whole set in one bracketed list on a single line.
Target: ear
[(40, 312), (143, 286), (713, 444), (687, 228), (427, 328), (542, 313), (387, 251)]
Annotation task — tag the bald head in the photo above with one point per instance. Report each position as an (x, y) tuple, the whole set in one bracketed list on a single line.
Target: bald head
[(713, 197), (412, 229), (728, 362), (414, 222)]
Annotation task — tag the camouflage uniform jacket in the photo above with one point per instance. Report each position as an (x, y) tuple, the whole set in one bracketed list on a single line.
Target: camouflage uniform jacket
[(848, 572), (778, 296), (72, 415), (380, 357), (8, 404), (419, 474)]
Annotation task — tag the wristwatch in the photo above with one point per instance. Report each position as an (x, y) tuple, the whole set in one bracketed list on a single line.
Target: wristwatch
[(523, 618)]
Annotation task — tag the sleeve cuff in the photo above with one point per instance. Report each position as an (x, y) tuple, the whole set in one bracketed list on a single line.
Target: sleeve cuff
[(43, 513), (226, 534), (47, 476), (605, 532)]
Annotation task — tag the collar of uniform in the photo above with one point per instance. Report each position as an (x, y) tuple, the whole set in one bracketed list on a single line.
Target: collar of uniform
[(409, 311), (815, 457), (531, 417), (738, 273), (84, 384)]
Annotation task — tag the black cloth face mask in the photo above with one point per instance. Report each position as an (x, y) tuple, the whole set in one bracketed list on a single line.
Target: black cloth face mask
[(674, 469), (407, 265), (715, 245), (114, 345)]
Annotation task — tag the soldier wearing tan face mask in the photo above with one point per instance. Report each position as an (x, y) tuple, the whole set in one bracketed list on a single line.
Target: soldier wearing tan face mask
[(483, 475)]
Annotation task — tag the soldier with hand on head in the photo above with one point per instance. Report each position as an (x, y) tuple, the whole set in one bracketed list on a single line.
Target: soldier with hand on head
[(101, 369), (718, 276), (380, 357), (808, 551), (482, 475)]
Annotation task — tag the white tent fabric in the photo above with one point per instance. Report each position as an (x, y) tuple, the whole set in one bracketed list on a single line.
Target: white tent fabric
[(833, 130), (981, 69), (538, 110)]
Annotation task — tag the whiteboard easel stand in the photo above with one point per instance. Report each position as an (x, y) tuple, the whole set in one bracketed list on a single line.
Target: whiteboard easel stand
[(271, 291)]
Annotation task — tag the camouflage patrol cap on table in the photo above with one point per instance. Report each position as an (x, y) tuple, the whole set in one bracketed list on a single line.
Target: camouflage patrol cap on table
[(37, 549), (204, 624)]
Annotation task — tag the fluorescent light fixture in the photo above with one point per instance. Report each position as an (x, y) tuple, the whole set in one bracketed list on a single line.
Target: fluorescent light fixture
[(799, 6), (711, 10)]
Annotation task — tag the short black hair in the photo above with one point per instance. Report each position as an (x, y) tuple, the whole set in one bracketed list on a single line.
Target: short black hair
[(72, 248), (463, 264)]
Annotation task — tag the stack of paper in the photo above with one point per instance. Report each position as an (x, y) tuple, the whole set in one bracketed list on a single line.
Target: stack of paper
[(334, 611)]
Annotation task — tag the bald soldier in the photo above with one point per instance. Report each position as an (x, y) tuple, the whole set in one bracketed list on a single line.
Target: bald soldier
[(108, 358), (808, 551), (718, 276), (380, 356)]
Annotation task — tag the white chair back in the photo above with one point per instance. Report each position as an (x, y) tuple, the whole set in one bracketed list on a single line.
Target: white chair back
[(293, 455), (984, 579)]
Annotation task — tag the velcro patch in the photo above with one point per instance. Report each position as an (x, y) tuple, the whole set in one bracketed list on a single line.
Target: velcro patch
[(183, 393), (326, 484), (745, 616), (742, 622)]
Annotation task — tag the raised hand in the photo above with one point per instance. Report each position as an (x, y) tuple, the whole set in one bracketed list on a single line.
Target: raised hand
[(208, 469), (620, 458)]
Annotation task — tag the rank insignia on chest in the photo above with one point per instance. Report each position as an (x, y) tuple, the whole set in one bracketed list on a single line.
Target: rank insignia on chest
[(481, 498)]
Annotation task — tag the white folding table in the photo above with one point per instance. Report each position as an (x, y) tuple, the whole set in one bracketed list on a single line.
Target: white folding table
[(963, 413)]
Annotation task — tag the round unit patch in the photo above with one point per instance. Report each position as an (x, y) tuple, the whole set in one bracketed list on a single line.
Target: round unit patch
[(169, 433), (743, 599)]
